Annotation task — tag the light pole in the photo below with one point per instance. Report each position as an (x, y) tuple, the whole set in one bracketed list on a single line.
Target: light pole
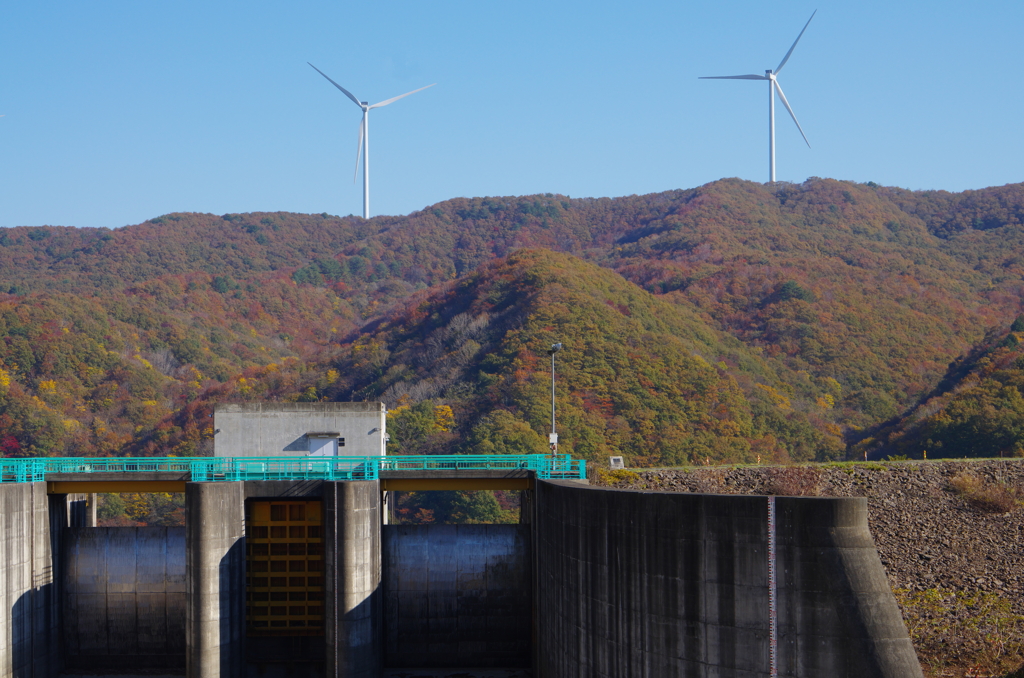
[(553, 439)]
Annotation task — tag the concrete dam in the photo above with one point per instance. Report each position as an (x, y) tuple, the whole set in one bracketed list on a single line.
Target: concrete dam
[(301, 576)]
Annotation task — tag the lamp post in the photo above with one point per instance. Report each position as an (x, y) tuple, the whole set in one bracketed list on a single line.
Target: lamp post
[(553, 439)]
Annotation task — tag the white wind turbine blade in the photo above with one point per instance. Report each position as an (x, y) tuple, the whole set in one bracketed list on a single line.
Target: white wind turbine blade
[(778, 88), (359, 150), (347, 93), (733, 77), (786, 58), (394, 99)]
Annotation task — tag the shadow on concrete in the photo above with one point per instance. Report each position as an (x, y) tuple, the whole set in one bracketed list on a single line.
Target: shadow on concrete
[(232, 608), (35, 634), (78, 513)]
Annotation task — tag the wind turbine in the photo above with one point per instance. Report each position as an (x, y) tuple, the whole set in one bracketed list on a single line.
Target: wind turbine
[(364, 135), (773, 87)]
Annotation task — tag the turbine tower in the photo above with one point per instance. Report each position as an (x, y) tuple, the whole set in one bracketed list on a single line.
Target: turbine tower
[(773, 87), (364, 135)]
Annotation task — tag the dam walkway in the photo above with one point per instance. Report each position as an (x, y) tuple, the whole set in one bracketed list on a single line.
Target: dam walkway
[(401, 472)]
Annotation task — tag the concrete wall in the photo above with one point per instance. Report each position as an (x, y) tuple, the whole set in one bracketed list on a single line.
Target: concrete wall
[(215, 579), (124, 597), (655, 584), (457, 596), (837, 615), (279, 429), (29, 599), (352, 554)]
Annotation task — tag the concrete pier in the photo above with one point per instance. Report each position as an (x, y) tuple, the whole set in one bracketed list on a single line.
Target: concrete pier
[(215, 579), (353, 567), (30, 526)]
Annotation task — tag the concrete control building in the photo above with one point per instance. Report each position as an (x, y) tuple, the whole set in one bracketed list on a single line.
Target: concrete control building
[(299, 429)]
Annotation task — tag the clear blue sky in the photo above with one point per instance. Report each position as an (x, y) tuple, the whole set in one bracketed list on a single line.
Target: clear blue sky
[(118, 111)]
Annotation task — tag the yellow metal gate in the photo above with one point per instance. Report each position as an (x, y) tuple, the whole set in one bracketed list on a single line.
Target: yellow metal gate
[(284, 568)]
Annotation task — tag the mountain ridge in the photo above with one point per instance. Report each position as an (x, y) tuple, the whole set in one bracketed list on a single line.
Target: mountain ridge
[(875, 289)]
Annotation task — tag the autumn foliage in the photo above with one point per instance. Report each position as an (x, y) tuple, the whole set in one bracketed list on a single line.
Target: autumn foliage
[(731, 322)]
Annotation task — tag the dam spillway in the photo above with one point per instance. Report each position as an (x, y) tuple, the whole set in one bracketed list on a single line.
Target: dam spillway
[(123, 597), (593, 582), (460, 591)]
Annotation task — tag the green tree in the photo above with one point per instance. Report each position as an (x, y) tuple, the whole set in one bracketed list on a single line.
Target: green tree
[(110, 506), (794, 290), (453, 507), (501, 432), (308, 275)]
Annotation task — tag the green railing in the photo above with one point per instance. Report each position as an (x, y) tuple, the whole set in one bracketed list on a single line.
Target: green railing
[(559, 466), (206, 469)]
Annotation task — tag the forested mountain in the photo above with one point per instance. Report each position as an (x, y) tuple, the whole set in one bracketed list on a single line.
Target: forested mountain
[(723, 323), (977, 410)]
